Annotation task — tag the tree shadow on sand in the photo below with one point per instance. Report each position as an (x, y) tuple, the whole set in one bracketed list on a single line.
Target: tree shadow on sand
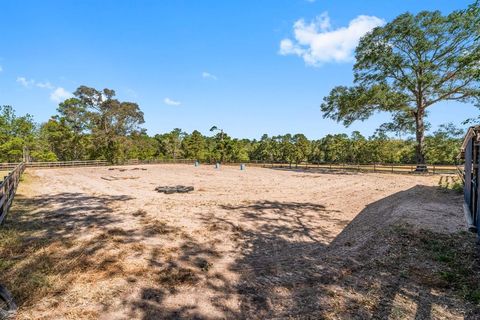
[(288, 267), (285, 260), (39, 241)]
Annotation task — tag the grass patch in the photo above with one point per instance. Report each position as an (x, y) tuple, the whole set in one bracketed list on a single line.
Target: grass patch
[(451, 183), (176, 276), (453, 260), (152, 227)]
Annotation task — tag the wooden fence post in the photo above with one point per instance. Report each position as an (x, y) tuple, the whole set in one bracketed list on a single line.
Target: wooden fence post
[(5, 196)]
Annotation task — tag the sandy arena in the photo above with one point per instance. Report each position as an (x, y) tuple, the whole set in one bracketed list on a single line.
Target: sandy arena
[(259, 243)]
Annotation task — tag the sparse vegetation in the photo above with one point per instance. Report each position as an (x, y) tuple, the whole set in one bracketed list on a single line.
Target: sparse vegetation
[(173, 277), (453, 260), (451, 183), (237, 254)]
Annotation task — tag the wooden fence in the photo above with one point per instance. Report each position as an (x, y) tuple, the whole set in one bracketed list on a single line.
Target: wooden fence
[(376, 167), (380, 167), (159, 161), (8, 188), (92, 163), (10, 183), (63, 164)]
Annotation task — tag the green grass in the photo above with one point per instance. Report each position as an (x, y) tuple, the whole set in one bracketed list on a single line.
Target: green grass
[(455, 259), (451, 183)]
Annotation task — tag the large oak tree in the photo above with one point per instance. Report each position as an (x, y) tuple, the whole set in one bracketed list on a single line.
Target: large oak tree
[(409, 65), (108, 120)]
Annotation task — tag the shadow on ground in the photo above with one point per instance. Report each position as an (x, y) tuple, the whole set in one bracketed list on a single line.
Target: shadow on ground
[(39, 247), (287, 265), (378, 267)]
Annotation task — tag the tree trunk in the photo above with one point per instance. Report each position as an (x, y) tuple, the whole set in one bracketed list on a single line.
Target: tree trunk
[(420, 139)]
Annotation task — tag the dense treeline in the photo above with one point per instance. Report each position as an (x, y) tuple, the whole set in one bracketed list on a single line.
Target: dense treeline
[(95, 125)]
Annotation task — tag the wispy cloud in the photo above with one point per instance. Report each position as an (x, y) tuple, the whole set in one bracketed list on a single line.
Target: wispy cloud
[(171, 102), (1, 68), (25, 82), (317, 42), (46, 85), (207, 75), (60, 94), (57, 94)]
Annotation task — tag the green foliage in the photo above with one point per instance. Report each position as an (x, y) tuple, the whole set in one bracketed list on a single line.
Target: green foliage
[(443, 145), (409, 65), (194, 146), (107, 120), (16, 133), (95, 126), (170, 144)]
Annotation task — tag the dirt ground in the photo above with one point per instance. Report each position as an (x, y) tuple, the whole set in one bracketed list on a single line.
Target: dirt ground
[(94, 243)]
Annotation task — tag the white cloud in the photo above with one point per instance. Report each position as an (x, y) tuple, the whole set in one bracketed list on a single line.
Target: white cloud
[(45, 85), (1, 68), (31, 82), (60, 94), (171, 102), (57, 94), (25, 82), (318, 43), (207, 75)]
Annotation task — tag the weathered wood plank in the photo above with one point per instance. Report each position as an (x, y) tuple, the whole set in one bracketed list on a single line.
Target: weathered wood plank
[(8, 187)]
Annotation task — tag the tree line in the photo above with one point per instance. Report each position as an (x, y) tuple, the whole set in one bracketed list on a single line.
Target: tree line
[(404, 68), (95, 125)]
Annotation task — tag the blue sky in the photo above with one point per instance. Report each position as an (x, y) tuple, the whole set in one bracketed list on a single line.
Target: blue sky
[(194, 64)]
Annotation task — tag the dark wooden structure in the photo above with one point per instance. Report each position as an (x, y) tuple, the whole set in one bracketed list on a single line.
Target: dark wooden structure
[(470, 153), (8, 187)]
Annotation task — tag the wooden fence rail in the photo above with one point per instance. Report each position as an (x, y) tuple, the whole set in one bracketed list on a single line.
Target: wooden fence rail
[(62, 164), (159, 161), (374, 167), (8, 188)]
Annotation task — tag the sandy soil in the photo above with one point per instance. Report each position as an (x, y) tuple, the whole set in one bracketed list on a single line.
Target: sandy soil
[(259, 243)]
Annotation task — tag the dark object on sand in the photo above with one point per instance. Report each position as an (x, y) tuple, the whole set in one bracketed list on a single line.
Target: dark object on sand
[(112, 178), (8, 308), (174, 189), (421, 168)]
